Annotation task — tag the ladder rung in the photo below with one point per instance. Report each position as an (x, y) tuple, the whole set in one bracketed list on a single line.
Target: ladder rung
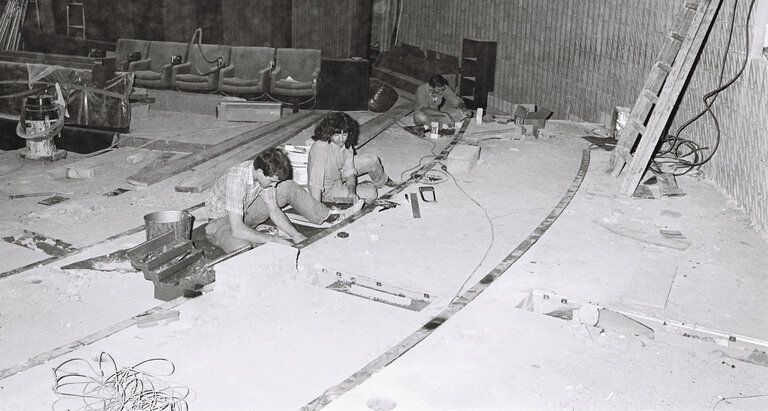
[(636, 125), (663, 66), (693, 5), (649, 95), (677, 36)]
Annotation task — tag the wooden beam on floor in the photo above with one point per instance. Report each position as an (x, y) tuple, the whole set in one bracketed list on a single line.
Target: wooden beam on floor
[(267, 133), (203, 176), (126, 140), (383, 121)]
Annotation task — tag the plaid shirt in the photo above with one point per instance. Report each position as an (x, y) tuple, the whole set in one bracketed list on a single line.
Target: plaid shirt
[(233, 192)]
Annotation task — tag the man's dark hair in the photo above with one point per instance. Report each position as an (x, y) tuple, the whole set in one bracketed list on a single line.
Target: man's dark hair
[(274, 162), (337, 122), (437, 81)]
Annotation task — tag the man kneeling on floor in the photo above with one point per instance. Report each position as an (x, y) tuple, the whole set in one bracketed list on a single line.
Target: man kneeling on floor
[(333, 166), (254, 191)]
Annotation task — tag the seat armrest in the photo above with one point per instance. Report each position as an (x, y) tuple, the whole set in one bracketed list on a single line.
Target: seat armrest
[(264, 77), (228, 71), (276, 73), (183, 68), (139, 65)]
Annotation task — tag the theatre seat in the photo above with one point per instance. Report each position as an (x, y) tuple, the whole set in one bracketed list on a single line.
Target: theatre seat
[(248, 71), (201, 70), (295, 75), (128, 50), (155, 70)]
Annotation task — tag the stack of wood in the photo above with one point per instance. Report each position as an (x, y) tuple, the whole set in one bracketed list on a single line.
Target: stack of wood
[(11, 23)]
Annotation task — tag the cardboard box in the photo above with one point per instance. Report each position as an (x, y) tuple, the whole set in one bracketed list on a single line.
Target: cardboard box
[(249, 111)]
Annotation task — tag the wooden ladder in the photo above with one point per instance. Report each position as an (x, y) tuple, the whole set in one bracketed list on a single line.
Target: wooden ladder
[(661, 92), (72, 7)]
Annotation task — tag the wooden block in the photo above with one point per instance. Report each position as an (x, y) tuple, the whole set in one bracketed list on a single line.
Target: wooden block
[(462, 159), (248, 111), (81, 172)]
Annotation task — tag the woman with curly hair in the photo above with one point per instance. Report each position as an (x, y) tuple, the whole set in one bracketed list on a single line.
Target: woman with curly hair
[(333, 167)]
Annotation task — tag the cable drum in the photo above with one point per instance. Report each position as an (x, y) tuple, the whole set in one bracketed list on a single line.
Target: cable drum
[(381, 96)]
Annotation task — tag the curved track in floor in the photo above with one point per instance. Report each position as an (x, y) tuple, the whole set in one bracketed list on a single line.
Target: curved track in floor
[(458, 303)]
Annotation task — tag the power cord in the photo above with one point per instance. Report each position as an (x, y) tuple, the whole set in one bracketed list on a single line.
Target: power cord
[(674, 148), (444, 168)]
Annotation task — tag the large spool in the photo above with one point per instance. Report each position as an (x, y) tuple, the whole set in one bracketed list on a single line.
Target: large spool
[(41, 121)]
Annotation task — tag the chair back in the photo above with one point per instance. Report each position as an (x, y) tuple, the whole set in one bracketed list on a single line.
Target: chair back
[(248, 61), (299, 64), (126, 47), (160, 53)]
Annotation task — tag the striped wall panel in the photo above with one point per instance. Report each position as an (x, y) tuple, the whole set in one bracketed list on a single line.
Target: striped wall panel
[(582, 58)]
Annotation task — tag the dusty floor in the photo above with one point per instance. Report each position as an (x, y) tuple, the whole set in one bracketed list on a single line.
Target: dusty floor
[(596, 309)]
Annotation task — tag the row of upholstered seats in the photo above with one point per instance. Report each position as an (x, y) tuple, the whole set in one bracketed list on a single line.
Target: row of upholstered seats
[(235, 70)]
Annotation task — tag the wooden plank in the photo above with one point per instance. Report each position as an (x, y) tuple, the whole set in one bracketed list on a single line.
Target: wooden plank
[(297, 121), (383, 121), (204, 177), (668, 99)]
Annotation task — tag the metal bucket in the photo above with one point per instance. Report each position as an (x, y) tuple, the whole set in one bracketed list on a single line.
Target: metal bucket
[(161, 222)]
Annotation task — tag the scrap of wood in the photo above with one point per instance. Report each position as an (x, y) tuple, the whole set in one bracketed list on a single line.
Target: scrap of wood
[(302, 120), (499, 132), (639, 231), (668, 185)]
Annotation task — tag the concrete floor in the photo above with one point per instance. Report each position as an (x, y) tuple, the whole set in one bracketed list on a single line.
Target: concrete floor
[(595, 309)]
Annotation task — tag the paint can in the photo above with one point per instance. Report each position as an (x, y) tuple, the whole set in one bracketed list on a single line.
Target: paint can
[(435, 130), (161, 222)]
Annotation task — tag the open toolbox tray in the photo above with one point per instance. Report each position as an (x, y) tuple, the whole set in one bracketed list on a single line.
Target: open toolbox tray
[(173, 265)]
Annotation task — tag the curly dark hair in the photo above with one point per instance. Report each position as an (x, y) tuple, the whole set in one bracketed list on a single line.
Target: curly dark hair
[(337, 122), (274, 162), (437, 81)]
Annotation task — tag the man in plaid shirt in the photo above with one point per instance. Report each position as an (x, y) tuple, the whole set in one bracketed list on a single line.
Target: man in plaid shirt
[(254, 191)]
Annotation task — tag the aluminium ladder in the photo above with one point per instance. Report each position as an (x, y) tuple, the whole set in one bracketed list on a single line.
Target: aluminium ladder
[(661, 92)]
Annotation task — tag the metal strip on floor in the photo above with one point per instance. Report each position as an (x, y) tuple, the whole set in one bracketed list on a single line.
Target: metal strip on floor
[(458, 303)]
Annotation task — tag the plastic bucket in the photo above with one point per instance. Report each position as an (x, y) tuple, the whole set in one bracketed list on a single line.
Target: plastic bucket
[(161, 222)]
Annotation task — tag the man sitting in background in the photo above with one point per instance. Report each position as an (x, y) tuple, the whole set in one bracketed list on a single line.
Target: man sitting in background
[(254, 191), (333, 166), (436, 102)]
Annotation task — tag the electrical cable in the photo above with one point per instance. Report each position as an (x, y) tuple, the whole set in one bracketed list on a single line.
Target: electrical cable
[(83, 387), (743, 397), (490, 225), (676, 147)]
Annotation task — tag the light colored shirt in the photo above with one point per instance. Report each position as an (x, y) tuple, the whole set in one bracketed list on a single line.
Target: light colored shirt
[(233, 192), (425, 99), (327, 163)]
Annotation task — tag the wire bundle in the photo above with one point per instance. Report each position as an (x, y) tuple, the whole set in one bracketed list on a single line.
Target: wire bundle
[(81, 387), (684, 154)]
